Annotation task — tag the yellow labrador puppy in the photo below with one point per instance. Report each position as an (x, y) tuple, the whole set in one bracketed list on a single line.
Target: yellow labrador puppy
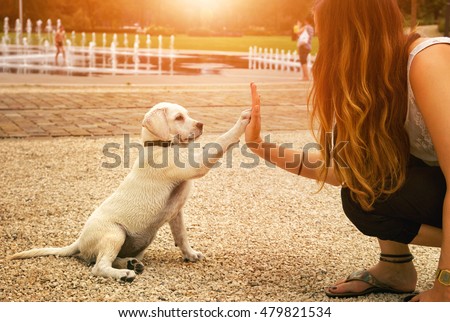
[(118, 232)]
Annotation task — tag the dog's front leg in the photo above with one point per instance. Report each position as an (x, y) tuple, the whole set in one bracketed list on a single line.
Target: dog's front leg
[(180, 236), (198, 164)]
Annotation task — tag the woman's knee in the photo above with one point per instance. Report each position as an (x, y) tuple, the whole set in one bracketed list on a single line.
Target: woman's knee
[(376, 224)]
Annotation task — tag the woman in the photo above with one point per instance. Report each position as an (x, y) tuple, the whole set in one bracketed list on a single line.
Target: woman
[(384, 97)]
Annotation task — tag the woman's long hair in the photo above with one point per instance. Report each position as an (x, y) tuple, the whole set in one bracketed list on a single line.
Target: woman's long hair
[(360, 94)]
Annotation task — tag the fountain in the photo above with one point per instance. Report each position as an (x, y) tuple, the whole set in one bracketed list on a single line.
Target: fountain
[(125, 45), (49, 29), (125, 40), (159, 55), (172, 53), (18, 31), (149, 45), (34, 52), (73, 37), (83, 44), (46, 50), (113, 58), (104, 49), (69, 56), (29, 29), (39, 30), (91, 56), (25, 54), (136, 57), (6, 29), (4, 54)]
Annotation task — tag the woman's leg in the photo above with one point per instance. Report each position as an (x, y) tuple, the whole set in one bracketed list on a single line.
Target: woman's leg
[(399, 276), (412, 215), (428, 236), (403, 276)]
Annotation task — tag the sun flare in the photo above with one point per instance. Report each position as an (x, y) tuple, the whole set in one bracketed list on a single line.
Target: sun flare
[(204, 4)]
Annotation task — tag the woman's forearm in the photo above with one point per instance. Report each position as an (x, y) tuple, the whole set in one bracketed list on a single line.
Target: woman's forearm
[(284, 158), (306, 163)]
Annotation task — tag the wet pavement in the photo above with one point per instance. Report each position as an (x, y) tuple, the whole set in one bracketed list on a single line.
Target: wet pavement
[(55, 106)]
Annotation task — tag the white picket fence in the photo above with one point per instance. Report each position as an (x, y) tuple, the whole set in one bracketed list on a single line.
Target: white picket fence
[(275, 59)]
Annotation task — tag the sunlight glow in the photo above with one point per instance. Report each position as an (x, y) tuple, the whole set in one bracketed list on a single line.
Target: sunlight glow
[(212, 5)]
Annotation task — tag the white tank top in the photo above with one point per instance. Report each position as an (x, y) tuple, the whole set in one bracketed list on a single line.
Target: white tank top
[(420, 140)]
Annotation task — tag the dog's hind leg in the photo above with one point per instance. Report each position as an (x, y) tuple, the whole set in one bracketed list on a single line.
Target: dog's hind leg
[(180, 236), (109, 247), (132, 263)]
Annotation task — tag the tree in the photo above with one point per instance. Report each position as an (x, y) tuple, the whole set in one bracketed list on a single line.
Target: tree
[(181, 15), (413, 14), (435, 8)]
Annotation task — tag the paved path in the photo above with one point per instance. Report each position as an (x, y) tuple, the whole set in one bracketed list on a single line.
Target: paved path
[(51, 110)]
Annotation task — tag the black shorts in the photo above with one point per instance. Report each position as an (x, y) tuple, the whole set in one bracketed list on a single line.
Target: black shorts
[(399, 217), (303, 53)]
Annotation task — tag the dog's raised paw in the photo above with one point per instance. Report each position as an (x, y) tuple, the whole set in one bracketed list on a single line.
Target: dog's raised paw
[(135, 266)]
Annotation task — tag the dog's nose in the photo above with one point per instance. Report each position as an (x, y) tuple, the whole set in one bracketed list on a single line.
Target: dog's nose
[(199, 125)]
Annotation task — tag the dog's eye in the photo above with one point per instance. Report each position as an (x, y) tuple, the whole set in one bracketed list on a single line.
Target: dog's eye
[(179, 118)]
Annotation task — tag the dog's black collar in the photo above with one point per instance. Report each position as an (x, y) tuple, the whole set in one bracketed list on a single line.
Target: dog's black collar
[(165, 144)]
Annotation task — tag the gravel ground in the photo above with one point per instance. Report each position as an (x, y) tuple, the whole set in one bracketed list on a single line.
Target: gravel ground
[(267, 235)]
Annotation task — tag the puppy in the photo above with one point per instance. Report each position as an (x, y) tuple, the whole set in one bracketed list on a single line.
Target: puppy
[(118, 232)]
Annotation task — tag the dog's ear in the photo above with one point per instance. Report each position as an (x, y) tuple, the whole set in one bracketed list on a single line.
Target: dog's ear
[(156, 123)]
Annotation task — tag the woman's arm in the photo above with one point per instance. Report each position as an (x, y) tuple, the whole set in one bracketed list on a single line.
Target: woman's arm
[(430, 81), (300, 162)]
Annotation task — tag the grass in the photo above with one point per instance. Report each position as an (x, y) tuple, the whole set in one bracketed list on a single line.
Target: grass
[(240, 44), (183, 42)]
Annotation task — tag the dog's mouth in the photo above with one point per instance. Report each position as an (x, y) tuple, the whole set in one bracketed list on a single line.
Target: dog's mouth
[(190, 138), (180, 139)]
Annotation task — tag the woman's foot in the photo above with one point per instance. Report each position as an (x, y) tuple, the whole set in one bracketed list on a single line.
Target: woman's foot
[(401, 277)]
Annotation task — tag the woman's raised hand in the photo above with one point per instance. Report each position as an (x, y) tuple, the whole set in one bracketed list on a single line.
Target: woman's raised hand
[(253, 130)]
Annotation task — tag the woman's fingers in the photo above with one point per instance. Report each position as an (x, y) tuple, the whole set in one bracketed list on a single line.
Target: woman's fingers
[(252, 132), (255, 96), (256, 101), (254, 93)]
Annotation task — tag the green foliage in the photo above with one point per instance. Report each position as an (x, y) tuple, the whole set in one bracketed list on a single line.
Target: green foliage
[(194, 17), (277, 16), (237, 44), (429, 11)]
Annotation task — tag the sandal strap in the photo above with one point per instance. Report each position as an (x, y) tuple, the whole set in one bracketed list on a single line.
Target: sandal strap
[(365, 276)]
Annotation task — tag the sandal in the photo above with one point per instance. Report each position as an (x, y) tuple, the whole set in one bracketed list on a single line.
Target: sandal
[(409, 297), (375, 285)]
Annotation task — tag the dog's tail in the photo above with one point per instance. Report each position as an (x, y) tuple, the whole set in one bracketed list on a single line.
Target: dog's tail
[(63, 251)]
